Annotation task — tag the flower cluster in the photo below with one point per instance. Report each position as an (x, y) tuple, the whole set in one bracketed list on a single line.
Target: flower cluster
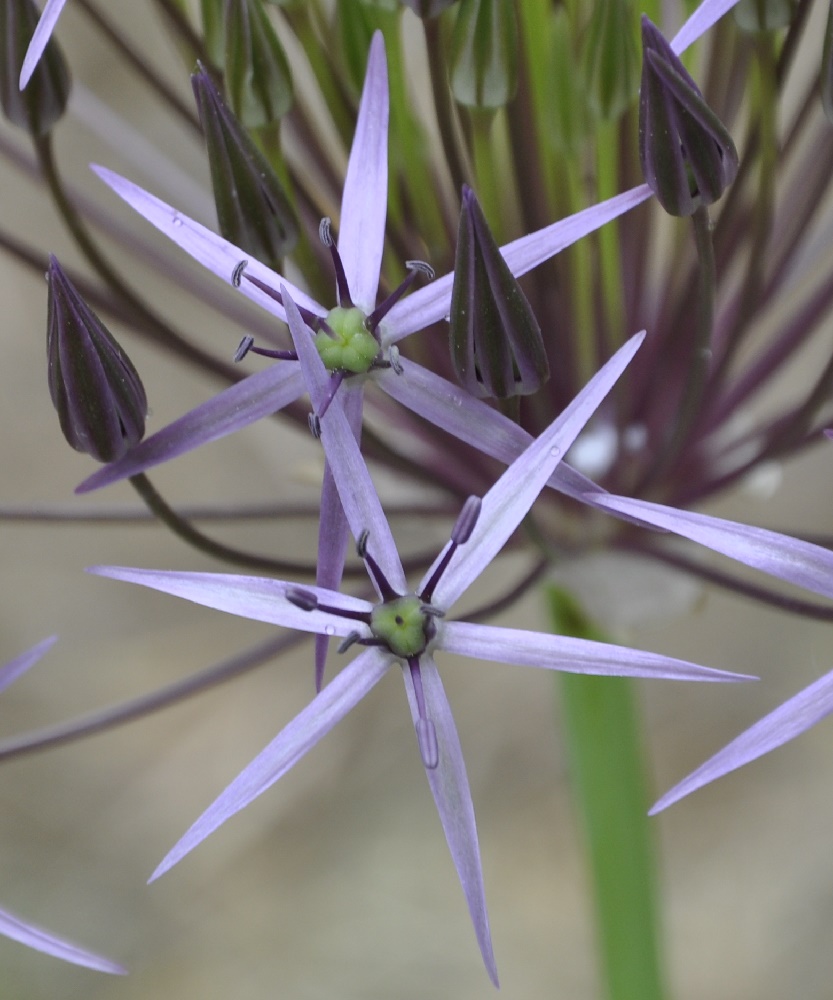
[(493, 382)]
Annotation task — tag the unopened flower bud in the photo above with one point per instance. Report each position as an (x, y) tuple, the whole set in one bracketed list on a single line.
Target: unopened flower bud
[(496, 345), (258, 80), (764, 15), (253, 210), (687, 155), (611, 58), (484, 53), (99, 396), (44, 99)]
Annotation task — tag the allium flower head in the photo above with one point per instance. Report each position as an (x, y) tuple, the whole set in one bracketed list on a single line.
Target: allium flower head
[(406, 626)]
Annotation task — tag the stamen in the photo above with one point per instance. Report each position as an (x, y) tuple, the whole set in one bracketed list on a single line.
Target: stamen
[(386, 591), (308, 317), (303, 599), (306, 600), (393, 359), (342, 288), (460, 534), (415, 267), (243, 347), (425, 730), (314, 426), (237, 273), (351, 640), (247, 345)]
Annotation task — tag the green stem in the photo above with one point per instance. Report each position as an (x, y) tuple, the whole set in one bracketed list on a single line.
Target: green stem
[(600, 719)]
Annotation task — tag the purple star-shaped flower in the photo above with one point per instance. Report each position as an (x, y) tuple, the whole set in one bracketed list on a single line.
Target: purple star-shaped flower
[(10, 925), (408, 626)]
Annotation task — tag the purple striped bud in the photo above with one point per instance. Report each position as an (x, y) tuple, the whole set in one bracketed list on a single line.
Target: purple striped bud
[(99, 397)]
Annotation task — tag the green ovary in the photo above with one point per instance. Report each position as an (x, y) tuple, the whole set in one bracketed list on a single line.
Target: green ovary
[(352, 348), (402, 625)]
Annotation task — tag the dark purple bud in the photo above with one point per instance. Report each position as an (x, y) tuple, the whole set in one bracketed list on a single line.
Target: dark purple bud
[(426, 9), (42, 103), (99, 396), (253, 210), (687, 156), (496, 345)]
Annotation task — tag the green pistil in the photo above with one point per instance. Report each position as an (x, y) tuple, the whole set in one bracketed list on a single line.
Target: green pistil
[(403, 625), (350, 348)]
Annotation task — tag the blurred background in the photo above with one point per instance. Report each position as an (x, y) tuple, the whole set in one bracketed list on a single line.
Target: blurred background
[(338, 882)]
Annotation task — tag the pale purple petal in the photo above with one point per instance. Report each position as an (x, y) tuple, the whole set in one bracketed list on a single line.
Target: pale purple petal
[(255, 597), (251, 399), (40, 38), (289, 746), (364, 202), (358, 494), (789, 720), (206, 247), (432, 303), (471, 420), (576, 656), (41, 940), (10, 671), (790, 559), (333, 529), (699, 23), (509, 500), (450, 788)]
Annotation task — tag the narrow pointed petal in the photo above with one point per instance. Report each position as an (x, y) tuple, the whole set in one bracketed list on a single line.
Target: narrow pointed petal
[(509, 500), (432, 303), (450, 788), (789, 720), (15, 668), (241, 404), (707, 14), (289, 746), (364, 202), (575, 656), (451, 408), (355, 487), (206, 247), (789, 559), (333, 529), (41, 940), (255, 597), (40, 38)]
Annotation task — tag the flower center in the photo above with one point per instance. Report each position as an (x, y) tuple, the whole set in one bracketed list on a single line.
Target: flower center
[(345, 344), (403, 625)]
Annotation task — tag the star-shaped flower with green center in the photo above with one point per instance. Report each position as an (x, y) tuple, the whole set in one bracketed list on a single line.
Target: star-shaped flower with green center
[(10, 925), (408, 626)]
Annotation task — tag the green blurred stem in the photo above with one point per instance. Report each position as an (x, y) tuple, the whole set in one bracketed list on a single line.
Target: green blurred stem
[(607, 174), (602, 732), (443, 104)]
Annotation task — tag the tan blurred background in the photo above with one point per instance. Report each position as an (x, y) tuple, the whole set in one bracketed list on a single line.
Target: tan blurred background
[(337, 882)]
